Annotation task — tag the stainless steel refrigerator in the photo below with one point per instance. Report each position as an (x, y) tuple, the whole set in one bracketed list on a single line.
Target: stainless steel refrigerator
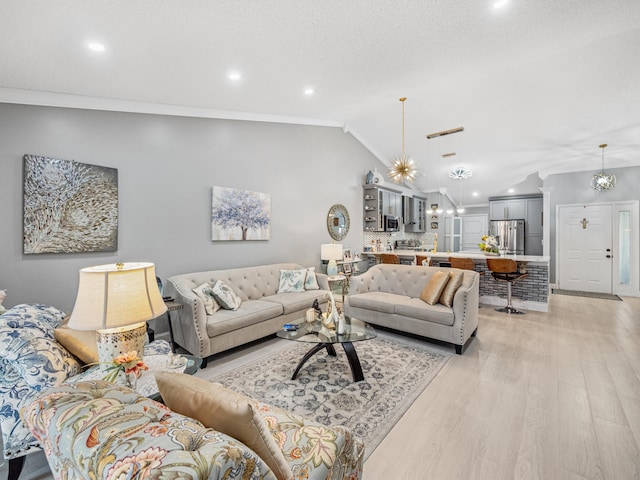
[(509, 234)]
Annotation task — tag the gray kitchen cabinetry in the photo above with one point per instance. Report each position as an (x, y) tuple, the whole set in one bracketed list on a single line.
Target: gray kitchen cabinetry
[(533, 227), (415, 214), (514, 209), (378, 202)]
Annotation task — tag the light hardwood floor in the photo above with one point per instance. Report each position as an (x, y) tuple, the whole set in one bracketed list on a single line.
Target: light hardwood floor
[(539, 396), (548, 396)]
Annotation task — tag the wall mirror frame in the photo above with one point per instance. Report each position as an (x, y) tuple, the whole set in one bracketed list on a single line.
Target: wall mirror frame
[(338, 222)]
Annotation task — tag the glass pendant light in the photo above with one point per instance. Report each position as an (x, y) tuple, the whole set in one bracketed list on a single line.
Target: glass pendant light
[(603, 181)]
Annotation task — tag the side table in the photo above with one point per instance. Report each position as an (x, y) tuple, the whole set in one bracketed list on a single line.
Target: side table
[(172, 306), (335, 279)]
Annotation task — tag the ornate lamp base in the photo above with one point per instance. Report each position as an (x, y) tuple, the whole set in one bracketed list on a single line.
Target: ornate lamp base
[(116, 341)]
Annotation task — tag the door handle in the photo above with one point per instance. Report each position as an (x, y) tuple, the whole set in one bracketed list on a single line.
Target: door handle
[(608, 256)]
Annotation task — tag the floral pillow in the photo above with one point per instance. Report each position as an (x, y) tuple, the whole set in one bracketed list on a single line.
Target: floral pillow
[(292, 281), (225, 296), (205, 295), (310, 281)]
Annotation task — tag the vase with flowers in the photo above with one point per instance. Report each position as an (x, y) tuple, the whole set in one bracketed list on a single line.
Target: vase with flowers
[(127, 365), (489, 245)]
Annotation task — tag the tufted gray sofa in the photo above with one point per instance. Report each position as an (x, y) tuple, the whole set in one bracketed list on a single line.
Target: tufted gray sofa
[(263, 311), (389, 296)]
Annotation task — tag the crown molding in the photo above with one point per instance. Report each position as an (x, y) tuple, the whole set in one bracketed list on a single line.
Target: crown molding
[(63, 100)]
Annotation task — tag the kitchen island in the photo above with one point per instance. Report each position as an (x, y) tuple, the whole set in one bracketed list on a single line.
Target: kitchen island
[(532, 293)]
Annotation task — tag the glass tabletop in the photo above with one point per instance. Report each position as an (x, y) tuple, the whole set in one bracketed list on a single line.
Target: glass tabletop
[(315, 332)]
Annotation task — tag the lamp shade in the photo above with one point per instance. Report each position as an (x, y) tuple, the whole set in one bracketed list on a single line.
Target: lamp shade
[(331, 251), (116, 295)]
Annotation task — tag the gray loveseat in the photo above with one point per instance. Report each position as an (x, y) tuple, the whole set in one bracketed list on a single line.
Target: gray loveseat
[(389, 296), (262, 311)]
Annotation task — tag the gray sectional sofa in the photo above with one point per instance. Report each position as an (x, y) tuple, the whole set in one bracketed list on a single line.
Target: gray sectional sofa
[(262, 312), (389, 296)]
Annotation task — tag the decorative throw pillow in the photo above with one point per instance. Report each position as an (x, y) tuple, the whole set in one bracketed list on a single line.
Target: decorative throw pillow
[(225, 411), (455, 280), (310, 281), (432, 291), (225, 296), (80, 343), (292, 281), (205, 294)]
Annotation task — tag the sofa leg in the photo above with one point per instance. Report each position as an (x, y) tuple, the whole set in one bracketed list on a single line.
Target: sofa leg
[(15, 467), (459, 349), (205, 360)]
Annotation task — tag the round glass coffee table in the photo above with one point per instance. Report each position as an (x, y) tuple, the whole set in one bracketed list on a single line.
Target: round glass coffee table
[(325, 339)]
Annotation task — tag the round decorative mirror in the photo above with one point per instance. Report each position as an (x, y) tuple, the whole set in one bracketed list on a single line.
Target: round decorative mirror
[(338, 222)]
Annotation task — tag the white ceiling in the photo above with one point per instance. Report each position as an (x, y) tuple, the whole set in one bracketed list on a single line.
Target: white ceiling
[(537, 85)]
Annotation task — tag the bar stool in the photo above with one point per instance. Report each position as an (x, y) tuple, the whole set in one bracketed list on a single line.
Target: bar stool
[(462, 263), (389, 258), (506, 270), (422, 258)]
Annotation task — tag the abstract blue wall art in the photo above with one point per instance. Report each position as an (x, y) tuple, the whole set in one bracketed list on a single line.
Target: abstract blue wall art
[(69, 207), (240, 215)]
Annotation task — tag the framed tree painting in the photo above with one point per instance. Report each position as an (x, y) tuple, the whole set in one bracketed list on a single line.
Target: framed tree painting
[(68, 206), (240, 215)]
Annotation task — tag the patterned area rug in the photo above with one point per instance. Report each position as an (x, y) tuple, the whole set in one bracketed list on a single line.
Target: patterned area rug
[(575, 293), (394, 376)]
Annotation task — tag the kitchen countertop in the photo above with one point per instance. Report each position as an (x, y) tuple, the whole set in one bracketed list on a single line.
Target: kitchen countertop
[(473, 255)]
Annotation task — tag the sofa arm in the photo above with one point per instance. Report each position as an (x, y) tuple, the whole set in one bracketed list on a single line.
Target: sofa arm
[(314, 451), (323, 281), (367, 282), (191, 331), (465, 307)]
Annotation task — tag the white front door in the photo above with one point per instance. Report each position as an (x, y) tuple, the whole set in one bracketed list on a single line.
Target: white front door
[(473, 228), (585, 246)]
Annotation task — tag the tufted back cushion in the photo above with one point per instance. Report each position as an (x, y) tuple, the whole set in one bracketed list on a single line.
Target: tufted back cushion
[(404, 279), (250, 283)]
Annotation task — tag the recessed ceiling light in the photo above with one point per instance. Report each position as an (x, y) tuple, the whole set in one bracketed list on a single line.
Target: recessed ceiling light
[(511, 190), (500, 3), (96, 47), (235, 76), (475, 194), (309, 91)]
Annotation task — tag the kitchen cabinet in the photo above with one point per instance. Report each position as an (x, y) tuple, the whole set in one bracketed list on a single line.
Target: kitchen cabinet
[(507, 209), (391, 203), (415, 214), (378, 202), (533, 227), (372, 205)]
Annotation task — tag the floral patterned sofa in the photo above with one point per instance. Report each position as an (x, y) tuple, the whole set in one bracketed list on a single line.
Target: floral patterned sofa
[(32, 361), (96, 430)]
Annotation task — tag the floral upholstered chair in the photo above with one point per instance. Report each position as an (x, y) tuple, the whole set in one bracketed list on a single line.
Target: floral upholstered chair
[(32, 361), (95, 429)]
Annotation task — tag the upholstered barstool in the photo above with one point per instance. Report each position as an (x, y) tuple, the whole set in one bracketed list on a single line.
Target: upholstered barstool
[(389, 258), (424, 260), (506, 270), (462, 263)]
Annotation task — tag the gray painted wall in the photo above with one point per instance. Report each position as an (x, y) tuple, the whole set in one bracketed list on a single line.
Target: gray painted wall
[(166, 168), (574, 188)]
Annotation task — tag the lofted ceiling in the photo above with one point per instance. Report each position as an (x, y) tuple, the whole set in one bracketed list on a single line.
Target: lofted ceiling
[(537, 85)]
